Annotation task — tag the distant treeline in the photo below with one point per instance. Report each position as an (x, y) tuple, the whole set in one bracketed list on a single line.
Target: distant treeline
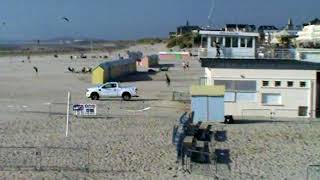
[(42, 49), (187, 40), (151, 41)]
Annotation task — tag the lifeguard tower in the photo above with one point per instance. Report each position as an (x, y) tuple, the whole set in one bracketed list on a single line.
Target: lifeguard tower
[(229, 44)]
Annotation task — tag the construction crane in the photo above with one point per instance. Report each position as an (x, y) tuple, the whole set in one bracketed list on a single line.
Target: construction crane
[(210, 22)]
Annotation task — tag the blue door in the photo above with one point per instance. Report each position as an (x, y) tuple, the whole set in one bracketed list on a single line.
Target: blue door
[(216, 109), (199, 106)]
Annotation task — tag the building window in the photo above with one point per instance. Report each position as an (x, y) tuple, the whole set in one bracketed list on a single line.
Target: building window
[(303, 84), (271, 99), (213, 42), (220, 40), (303, 111), (235, 42), (228, 42), (247, 86), (242, 42), (290, 83), (250, 42), (277, 83), (239, 91), (246, 97), (204, 42), (265, 83), (230, 97)]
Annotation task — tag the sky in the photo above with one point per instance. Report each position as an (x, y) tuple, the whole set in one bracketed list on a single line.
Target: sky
[(134, 19)]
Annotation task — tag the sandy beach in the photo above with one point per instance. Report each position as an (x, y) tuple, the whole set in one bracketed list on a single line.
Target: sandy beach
[(123, 142)]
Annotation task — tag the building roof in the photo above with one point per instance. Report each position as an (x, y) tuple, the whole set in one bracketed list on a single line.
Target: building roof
[(241, 26), (267, 27), (207, 90), (259, 64), (107, 64), (228, 33)]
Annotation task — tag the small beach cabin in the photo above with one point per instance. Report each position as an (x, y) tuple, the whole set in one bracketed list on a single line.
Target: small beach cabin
[(207, 103), (232, 44), (174, 55), (148, 61), (111, 70)]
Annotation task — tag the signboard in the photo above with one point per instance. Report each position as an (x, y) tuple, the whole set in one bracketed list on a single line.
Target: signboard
[(84, 109)]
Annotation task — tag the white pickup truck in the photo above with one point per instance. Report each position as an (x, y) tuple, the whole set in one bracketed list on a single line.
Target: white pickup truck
[(112, 89)]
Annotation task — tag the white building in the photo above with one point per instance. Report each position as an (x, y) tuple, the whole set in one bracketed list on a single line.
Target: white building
[(266, 88), (309, 44), (232, 44)]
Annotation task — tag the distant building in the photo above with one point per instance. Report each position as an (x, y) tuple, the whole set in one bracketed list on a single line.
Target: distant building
[(315, 21), (266, 88), (172, 34), (240, 27), (292, 29), (309, 37), (308, 41), (266, 33), (181, 30), (290, 25)]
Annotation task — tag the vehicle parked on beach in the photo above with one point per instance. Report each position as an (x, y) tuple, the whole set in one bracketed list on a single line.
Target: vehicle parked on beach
[(112, 89)]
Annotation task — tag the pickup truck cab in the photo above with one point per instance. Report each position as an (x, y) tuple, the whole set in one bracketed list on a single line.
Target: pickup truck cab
[(112, 89)]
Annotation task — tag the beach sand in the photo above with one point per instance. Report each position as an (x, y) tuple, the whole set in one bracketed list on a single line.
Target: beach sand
[(122, 143)]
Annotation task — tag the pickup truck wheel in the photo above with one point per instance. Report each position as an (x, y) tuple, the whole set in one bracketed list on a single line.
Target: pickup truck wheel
[(126, 96), (94, 96)]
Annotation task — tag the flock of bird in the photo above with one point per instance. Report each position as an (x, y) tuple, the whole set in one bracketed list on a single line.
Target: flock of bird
[(63, 18), (36, 70)]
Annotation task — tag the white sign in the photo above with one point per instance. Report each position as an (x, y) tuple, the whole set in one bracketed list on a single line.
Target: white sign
[(84, 109)]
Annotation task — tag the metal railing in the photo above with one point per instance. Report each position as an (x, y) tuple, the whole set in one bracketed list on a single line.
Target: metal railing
[(44, 158), (267, 53)]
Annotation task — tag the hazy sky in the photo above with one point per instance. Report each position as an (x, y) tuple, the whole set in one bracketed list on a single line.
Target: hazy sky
[(131, 19)]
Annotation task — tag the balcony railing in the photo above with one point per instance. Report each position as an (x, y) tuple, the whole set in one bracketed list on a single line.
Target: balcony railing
[(261, 54)]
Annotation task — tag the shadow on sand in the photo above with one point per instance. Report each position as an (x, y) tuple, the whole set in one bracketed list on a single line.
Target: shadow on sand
[(138, 76), (132, 100), (262, 121)]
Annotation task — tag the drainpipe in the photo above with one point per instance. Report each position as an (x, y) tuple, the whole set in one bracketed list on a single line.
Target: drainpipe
[(311, 111)]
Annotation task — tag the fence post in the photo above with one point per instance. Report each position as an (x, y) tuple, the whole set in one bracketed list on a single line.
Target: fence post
[(38, 159), (68, 108)]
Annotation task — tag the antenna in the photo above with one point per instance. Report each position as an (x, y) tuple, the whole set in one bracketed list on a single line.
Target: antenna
[(210, 23)]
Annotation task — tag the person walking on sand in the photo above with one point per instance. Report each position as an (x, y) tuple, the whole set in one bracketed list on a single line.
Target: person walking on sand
[(168, 80), (184, 66), (187, 65)]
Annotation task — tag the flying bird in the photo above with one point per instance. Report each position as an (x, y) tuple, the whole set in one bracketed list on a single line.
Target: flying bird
[(35, 69), (66, 19)]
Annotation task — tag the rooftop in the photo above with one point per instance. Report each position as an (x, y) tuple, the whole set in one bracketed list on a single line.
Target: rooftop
[(285, 64), (229, 33), (107, 64), (207, 90)]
